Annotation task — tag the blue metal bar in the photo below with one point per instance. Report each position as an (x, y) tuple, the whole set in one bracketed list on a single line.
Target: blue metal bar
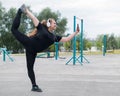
[(104, 44), (56, 50), (81, 41), (74, 42), (81, 57)]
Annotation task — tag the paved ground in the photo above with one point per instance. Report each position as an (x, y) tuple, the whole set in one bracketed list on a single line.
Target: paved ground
[(101, 77)]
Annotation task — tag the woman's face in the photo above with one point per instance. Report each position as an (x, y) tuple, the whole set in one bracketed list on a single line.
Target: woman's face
[(53, 25)]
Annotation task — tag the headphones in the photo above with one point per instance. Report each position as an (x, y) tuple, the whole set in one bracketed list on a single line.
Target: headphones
[(48, 23)]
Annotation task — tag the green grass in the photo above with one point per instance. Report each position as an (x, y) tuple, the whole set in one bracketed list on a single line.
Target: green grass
[(77, 53), (90, 53)]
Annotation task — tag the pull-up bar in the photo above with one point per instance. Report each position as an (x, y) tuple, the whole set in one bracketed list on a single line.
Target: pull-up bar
[(81, 57), (74, 58)]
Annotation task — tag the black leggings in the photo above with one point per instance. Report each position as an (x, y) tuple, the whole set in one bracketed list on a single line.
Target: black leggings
[(26, 42)]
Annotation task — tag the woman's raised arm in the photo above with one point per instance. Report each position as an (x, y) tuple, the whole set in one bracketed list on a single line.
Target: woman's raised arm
[(25, 10)]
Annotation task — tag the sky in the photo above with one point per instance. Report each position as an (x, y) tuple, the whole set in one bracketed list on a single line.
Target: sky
[(99, 16)]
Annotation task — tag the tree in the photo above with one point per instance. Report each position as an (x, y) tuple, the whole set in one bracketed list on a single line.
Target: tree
[(2, 10), (118, 42), (99, 41), (112, 43), (67, 45), (88, 44)]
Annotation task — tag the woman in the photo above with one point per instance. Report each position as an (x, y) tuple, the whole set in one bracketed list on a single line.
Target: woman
[(41, 39)]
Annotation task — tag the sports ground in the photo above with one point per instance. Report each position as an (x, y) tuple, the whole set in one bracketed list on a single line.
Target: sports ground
[(100, 77)]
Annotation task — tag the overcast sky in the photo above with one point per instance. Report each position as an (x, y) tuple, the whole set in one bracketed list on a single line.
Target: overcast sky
[(99, 16)]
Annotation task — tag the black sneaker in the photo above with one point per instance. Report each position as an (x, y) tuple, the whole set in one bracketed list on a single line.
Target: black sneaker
[(36, 89), (23, 8)]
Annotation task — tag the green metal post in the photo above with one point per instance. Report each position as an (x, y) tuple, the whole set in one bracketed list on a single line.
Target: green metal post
[(74, 58), (104, 44), (81, 57), (56, 50), (4, 55), (74, 42), (81, 43), (48, 54)]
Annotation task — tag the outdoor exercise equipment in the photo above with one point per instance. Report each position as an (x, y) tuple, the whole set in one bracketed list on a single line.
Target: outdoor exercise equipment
[(5, 53), (74, 58), (56, 50), (81, 57), (47, 54), (104, 44)]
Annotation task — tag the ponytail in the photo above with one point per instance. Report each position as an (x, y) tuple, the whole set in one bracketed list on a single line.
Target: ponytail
[(44, 22)]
